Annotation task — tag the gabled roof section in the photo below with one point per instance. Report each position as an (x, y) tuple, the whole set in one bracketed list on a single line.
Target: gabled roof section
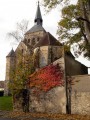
[(11, 53), (48, 39), (35, 28)]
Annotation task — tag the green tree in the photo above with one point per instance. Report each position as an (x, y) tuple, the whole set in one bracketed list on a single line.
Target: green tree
[(24, 67), (74, 27), (50, 4)]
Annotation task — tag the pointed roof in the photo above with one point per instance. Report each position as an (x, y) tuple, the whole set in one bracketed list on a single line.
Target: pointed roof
[(11, 53), (48, 39), (38, 22), (38, 18)]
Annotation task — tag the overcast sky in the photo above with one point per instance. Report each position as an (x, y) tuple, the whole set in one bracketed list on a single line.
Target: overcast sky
[(13, 11)]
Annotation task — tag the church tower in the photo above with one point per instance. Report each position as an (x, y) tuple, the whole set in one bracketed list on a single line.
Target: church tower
[(34, 35), (10, 65)]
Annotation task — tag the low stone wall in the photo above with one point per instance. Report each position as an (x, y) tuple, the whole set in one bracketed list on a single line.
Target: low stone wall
[(80, 97), (17, 105), (54, 101), (21, 100), (17, 101), (80, 103)]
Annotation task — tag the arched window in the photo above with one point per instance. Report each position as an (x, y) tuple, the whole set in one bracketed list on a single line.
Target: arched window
[(33, 41), (38, 39), (28, 40), (22, 51)]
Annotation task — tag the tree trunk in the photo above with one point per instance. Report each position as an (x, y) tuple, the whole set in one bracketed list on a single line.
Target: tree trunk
[(85, 7)]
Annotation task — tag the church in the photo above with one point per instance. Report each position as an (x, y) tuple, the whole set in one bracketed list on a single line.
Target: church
[(38, 41)]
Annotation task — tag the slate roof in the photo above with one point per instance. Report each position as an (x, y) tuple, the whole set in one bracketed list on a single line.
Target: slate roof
[(38, 17), (11, 53), (48, 39), (35, 28), (38, 22)]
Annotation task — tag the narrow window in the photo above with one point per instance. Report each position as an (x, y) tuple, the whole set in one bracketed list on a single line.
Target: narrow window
[(38, 39), (28, 40), (33, 41)]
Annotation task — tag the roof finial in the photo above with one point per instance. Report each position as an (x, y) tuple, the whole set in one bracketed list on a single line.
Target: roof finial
[(38, 2)]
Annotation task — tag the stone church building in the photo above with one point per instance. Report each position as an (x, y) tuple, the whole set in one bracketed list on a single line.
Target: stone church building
[(50, 50)]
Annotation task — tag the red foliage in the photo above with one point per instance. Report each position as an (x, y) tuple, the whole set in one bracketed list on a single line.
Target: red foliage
[(47, 78)]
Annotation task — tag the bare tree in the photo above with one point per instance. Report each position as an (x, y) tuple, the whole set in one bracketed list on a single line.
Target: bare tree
[(21, 29)]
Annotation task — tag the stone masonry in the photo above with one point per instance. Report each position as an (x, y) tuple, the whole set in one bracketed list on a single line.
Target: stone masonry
[(80, 97)]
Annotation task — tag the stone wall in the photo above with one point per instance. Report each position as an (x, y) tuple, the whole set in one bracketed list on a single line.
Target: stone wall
[(21, 100), (34, 37), (57, 52), (80, 103), (80, 97), (43, 56), (54, 101), (48, 54), (60, 62), (17, 103)]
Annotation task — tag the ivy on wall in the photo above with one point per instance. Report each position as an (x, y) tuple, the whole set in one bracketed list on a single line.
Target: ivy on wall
[(47, 78)]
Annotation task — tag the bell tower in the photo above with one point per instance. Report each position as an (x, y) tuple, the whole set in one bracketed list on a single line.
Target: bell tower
[(35, 33)]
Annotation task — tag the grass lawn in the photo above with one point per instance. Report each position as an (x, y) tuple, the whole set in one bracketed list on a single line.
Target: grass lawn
[(6, 103)]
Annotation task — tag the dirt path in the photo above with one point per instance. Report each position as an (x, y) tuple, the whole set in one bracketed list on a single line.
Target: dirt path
[(7, 115), (6, 119)]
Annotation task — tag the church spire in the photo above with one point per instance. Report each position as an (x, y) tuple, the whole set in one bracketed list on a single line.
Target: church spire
[(38, 18)]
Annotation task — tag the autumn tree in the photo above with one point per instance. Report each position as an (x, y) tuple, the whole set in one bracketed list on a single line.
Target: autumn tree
[(74, 27)]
